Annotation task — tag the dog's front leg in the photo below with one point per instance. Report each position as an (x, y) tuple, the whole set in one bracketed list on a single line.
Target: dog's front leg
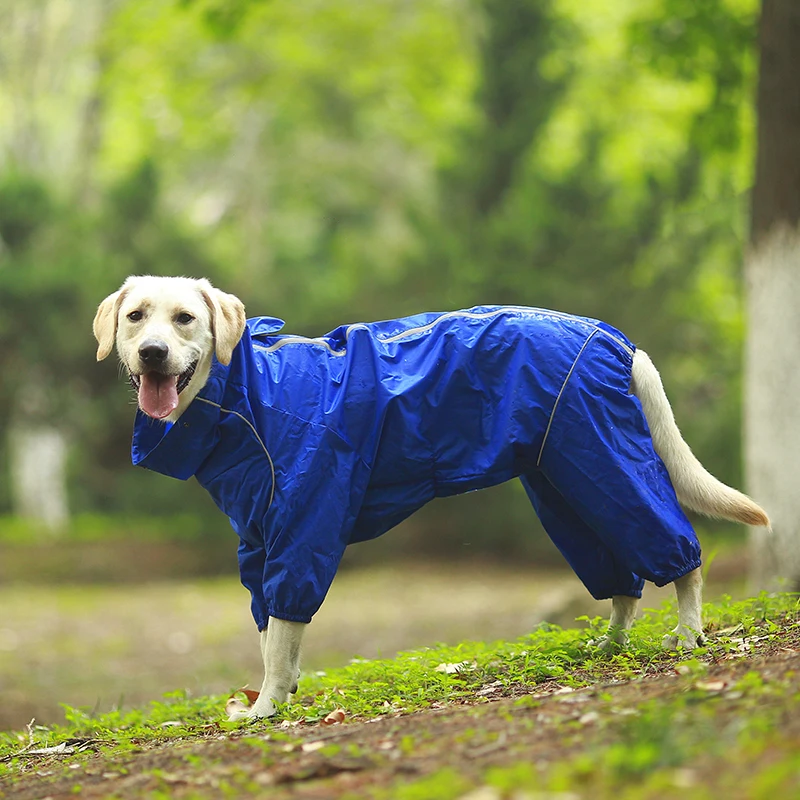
[(688, 634), (280, 651), (623, 612)]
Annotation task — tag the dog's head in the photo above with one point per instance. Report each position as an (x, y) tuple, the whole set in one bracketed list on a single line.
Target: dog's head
[(166, 331)]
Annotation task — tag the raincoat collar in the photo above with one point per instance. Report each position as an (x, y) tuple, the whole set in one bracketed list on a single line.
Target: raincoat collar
[(178, 449)]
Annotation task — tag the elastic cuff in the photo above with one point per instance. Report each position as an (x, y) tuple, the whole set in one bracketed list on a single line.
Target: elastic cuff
[(690, 568), (290, 617), (637, 593)]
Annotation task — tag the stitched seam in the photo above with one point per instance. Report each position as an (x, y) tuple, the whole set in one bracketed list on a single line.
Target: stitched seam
[(560, 392), (429, 326), (258, 439)]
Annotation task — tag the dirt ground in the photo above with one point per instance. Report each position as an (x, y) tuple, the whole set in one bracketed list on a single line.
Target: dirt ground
[(500, 726), (103, 647), (358, 759)]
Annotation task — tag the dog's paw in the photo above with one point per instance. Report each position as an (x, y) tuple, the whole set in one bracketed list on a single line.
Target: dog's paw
[(611, 642), (237, 711), (682, 638)]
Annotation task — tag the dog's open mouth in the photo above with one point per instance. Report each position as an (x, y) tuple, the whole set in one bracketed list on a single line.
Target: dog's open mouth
[(158, 393)]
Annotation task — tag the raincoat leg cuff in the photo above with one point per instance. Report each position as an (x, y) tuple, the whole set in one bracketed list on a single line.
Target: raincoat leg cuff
[(288, 616), (607, 595), (690, 567), (619, 588)]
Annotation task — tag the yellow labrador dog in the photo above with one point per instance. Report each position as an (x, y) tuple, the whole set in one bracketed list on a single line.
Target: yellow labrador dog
[(309, 445)]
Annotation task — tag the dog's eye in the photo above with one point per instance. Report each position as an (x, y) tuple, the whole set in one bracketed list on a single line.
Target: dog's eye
[(135, 316), (184, 318)]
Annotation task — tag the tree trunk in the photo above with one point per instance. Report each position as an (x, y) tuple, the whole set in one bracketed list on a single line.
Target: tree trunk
[(772, 380), (37, 450), (38, 473)]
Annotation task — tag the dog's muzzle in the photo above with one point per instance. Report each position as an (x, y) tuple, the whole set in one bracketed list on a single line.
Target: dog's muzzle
[(156, 387)]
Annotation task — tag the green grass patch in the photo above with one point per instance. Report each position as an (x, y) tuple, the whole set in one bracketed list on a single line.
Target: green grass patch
[(657, 740), (15, 531), (417, 679)]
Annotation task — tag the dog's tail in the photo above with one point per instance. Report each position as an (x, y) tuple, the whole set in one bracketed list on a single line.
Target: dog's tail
[(697, 489)]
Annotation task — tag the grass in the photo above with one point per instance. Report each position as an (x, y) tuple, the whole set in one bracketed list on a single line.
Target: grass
[(415, 680), (104, 647), (682, 724)]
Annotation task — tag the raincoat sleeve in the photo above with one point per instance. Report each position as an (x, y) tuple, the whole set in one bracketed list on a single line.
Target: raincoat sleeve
[(318, 497)]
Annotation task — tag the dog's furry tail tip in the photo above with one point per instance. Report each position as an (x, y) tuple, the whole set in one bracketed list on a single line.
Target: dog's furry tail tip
[(723, 502), (753, 514)]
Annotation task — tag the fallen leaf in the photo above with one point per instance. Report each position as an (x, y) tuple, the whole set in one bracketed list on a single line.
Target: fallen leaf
[(234, 705), (251, 695), (334, 717), (311, 747), (710, 686), (454, 669), (55, 750), (65, 748)]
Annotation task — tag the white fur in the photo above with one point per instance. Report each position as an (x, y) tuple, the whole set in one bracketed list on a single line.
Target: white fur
[(280, 652), (696, 488), (218, 323)]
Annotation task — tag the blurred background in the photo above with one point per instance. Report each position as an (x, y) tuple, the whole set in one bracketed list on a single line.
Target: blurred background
[(335, 161)]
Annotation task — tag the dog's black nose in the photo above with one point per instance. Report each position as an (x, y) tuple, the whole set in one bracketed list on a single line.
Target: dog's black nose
[(153, 352)]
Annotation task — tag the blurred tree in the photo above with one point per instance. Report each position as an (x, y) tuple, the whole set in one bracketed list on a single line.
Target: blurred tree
[(335, 160), (37, 445), (773, 274)]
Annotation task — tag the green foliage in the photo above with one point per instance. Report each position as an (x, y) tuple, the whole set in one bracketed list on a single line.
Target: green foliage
[(634, 750), (712, 41), (99, 527), (334, 160), (25, 206)]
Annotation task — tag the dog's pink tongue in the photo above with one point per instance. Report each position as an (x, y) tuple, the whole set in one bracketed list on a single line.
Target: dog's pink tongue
[(158, 394)]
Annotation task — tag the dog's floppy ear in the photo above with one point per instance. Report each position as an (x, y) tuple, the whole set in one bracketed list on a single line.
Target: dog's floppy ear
[(227, 320), (105, 322)]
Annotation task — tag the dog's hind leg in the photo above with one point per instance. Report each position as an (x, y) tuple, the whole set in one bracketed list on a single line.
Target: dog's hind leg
[(689, 632), (594, 563)]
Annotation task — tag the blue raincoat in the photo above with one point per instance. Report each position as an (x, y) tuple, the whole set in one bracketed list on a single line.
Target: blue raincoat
[(309, 445)]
